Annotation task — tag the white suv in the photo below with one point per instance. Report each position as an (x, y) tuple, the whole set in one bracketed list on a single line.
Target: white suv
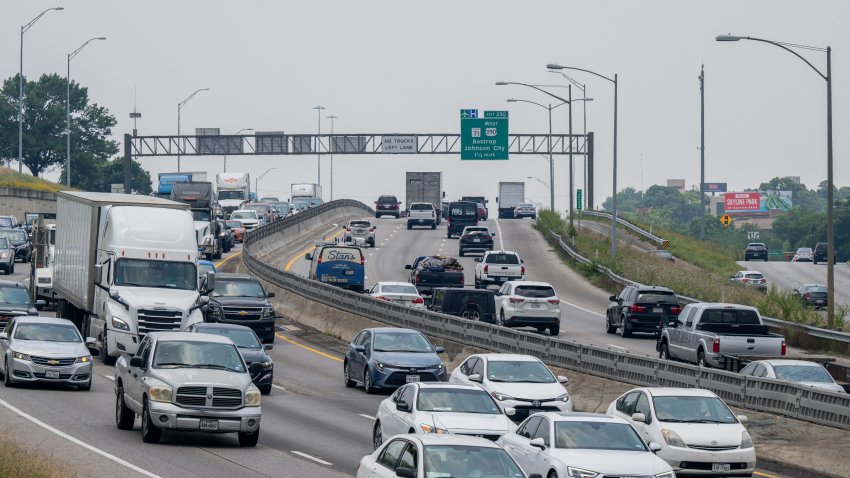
[(529, 304), (498, 267)]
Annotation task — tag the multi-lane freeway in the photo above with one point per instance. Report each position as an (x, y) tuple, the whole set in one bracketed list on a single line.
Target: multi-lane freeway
[(791, 275)]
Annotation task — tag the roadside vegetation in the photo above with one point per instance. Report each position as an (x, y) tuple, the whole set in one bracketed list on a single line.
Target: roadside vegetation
[(705, 277), (16, 460), (14, 179)]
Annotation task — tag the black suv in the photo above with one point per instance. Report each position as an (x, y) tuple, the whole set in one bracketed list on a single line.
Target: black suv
[(820, 253), (15, 301), (240, 299), (475, 239), (20, 241), (387, 205), (471, 304), (641, 309), (755, 250)]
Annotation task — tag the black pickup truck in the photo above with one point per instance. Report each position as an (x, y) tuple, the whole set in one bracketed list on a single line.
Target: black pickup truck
[(430, 272)]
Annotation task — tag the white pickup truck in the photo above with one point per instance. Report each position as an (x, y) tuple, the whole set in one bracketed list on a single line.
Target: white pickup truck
[(422, 214), (498, 267)]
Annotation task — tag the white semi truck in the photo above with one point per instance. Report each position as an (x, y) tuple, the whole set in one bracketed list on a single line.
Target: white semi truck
[(125, 265), (233, 189)]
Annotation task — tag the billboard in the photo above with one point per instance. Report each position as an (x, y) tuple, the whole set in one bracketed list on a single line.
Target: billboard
[(715, 187), (757, 201)]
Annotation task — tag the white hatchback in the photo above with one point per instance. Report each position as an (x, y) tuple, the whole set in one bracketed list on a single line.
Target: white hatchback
[(698, 433), (402, 293)]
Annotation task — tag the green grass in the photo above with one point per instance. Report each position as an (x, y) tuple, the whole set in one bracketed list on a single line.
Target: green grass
[(14, 179), (17, 461)]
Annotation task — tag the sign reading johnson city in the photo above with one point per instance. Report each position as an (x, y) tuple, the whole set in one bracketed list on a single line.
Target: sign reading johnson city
[(483, 138), (757, 201)]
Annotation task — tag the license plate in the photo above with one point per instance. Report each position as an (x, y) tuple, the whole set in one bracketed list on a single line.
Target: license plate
[(657, 310), (51, 374), (211, 425), (476, 240), (412, 378), (721, 467), (421, 220), (534, 306), (349, 272)]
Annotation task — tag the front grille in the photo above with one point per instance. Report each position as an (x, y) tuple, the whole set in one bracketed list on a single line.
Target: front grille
[(243, 313), (153, 320), (697, 465), (62, 376), (400, 378), (209, 397), (53, 362), (713, 448), (226, 402)]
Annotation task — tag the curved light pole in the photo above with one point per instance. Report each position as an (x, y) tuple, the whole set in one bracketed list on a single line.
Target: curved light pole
[(235, 134), (330, 145), (544, 183), (319, 109), (257, 181), (553, 66), (180, 107), (68, 110), (830, 237), (584, 99), (24, 29)]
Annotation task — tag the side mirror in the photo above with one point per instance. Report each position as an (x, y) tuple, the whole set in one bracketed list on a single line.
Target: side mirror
[(475, 378), (308, 256), (477, 259), (563, 380), (522, 261), (137, 362), (510, 411), (654, 447), (538, 443), (493, 234), (4, 336), (408, 267), (359, 348), (639, 417), (255, 369), (673, 323), (743, 419), (204, 300), (440, 350), (403, 472), (113, 293), (98, 273), (269, 295), (402, 407), (613, 298), (210, 280), (268, 347), (91, 340)]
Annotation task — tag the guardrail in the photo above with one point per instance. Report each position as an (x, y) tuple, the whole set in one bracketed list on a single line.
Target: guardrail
[(645, 234), (804, 403)]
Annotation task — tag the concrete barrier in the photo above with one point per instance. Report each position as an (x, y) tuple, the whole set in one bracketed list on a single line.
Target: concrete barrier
[(17, 202)]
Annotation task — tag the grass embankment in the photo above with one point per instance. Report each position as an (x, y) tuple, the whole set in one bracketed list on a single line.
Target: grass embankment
[(14, 179), (710, 282), (16, 461)]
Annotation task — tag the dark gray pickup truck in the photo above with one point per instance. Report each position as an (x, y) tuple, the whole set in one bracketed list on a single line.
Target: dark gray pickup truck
[(430, 272)]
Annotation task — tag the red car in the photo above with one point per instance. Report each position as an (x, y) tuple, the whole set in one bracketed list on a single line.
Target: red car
[(237, 229), (482, 212)]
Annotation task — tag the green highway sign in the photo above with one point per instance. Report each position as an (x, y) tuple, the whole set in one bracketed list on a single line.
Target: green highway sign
[(484, 138), (578, 199)]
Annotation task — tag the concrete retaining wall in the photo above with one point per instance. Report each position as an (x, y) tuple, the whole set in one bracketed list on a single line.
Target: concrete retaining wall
[(17, 202)]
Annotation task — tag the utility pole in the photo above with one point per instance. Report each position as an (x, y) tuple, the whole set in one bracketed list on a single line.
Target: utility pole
[(319, 109), (330, 143), (702, 151)]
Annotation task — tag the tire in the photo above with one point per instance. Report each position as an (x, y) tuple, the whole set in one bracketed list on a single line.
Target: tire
[(103, 352), (501, 318), (433, 226), (609, 328), (746, 258), (460, 253), (7, 376), (409, 226), (265, 389), (346, 375), (554, 330), (150, 433), (625, 332), (665, 351), (448, 235), (12, 268), (552, 474), (249, 439), (377, 436), (367, 382), (124, 417), (701, 359)]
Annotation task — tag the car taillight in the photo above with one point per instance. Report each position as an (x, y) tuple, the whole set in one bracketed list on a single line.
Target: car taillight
[(522, 270), (675, 310), (745, 280), (347, 229), (715, 346), (418, 300), (362, 261), (381, 297), (417, 278), (554, 301), (486, 268), (784, 348), (463, 238), (433, 214), (395, 207), (461, 280), (372, 229), (637, 308), (516, 300)]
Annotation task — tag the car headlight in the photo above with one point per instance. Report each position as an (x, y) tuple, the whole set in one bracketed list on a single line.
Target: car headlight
[(119, 324), (746, 440), (21, 356), (4, 255), (432, 429), (574, 472), (501, 396), (268, 312), (268, 365), (160, 393), (252, 398), (563, 398), (83, 359), (666, 474), (672, 438), (440, 366), (379, 366)]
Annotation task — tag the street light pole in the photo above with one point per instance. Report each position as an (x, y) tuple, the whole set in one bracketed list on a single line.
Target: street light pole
[(24, 29), (319, 109), (830, 236), (552, 66), (702, 152), (180, 107), (235, 134), (257, 181), (68, 110), (330, 143)]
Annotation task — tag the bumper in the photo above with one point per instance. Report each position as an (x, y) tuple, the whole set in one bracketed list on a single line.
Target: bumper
[(645, 323), (396, 377), (118, 342), (26, 371), (476, 247), (171, 417), (498, 279), (689, 461), (263, 328), (526, 321), (264, 379), (525, 408), (421, 222)]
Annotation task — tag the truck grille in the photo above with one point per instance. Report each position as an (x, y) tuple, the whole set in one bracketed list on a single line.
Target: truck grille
[(243, 313), (209, 397), (53, 362), (153, 320)]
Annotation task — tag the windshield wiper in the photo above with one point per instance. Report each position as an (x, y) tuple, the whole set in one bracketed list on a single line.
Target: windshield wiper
[(216, 366), (705, 420), (674, 420), (175, 364)]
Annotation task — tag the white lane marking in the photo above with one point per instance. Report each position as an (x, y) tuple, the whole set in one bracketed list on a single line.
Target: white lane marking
[(311, 457), (582, 309), (616, 346), (501, 237), (109, 377), (291, 328), (367, 417), (79, 442), (278, 387), (562, 330)]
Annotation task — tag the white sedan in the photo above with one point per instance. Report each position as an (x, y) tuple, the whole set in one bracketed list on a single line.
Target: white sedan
[(521, 382), (803, 372), (583, 445), (697, 431), (440, 408), (529, 304), (402, 293)]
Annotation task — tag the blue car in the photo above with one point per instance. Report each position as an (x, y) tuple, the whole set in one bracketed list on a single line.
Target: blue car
[(389, 358)]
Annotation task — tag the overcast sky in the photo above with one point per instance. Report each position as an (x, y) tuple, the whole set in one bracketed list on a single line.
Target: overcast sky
[(400, 66)]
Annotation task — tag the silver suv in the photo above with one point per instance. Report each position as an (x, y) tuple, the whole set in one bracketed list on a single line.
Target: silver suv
[(359, 231)]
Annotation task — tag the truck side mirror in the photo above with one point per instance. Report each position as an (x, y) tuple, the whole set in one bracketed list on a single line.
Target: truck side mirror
[(138, 362), (308, 256), (98, 273), (210, 280), (408, 266)]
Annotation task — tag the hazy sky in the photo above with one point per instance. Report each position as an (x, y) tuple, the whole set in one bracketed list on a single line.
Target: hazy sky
[(400, 66)]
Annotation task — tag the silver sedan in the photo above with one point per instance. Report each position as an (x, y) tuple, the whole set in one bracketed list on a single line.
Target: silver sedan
[(45, 349)]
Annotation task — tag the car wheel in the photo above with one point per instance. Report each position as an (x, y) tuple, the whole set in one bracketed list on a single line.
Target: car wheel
[(266, 389), (460, 253), (609, 328), (12, 268), (103, 351), (377, 215), (86, 387), (249, 439), (502, 318), (625, 332), (150, 433), (409, 226), (746, 258), (701, 359), (553, 474), (448, 235), (346, 373), (433, 226), (124, 417), (377, 436), (554, 330), (7, 376), (367, 382), (665, 352)]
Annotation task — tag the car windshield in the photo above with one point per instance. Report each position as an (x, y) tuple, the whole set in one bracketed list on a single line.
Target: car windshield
[(225, 194), (657, 297), (476, 230), (756, 245), (535, 291), (160, 274), (243, 338), (191, 354), (14, 295), (458, 461), (802, 373), (6, 222), (201, 215), (456, 400), (816, 288), (520, 371), (47, 333), (402, 342), (17, 236), (804, 250), (360, 224), (500, 258), (399, 289), (237, 288), (592, 435), (232, 224), (663, 254), (470, 210), (692, 410), (261, 208), (421, 207), (244, 215), (5, 243), (525, 205)]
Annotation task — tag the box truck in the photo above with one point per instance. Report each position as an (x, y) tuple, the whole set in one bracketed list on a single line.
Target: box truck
[(168, 180), (309, 193), (510, 195)]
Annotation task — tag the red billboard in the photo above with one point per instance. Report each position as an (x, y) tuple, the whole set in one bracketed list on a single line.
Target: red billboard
[(749, 201)]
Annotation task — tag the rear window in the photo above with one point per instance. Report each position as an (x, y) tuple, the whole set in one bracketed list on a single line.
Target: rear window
[(421, 206), (754, 276), (656, 297), (729, 316), (360, 224), (817, 288), (535, 291), (468, 210), (502, 259), (387, 199)]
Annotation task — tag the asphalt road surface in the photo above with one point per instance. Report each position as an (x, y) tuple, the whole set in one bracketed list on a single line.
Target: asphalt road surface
[(790, 275)]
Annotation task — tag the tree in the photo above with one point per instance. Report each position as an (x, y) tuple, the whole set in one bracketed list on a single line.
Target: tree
[(44, 146), (628, 200), (101, 175)]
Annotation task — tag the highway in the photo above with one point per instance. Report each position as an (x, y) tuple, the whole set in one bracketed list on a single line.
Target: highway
[(790, 275)]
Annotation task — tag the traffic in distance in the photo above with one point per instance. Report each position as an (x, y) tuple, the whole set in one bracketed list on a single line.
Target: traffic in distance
[(190, 349)]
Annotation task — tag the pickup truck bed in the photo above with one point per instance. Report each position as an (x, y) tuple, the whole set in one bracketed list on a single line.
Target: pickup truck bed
[(426, 279)]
